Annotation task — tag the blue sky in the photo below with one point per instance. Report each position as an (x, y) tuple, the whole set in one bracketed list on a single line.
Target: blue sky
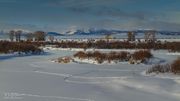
[(63, 15)]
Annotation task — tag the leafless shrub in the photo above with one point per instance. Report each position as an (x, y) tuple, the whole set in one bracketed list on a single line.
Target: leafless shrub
[(102, 44), (101, 57), (6, 47), (175, 66), (141, 55), (159, 69)]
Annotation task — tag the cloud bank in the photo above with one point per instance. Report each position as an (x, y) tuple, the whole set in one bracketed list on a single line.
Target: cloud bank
[(60, 15)]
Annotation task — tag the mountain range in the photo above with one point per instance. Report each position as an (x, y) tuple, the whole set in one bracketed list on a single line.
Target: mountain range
[(102, 32), (107, 32)]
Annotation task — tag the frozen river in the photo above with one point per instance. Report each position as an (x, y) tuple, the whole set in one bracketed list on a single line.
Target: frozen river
[(36, 78)]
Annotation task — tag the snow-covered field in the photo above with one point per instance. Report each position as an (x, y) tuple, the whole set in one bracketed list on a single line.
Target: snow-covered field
[(36, 78)]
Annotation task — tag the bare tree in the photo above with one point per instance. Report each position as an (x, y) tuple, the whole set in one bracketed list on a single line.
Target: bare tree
[(29, 36), (131, 36), (150, 36), (107, 37), (40, 36), (11, 35), (18, 35), (51, 38)]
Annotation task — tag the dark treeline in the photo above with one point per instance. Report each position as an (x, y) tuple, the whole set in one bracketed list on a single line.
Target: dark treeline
[(36, 36), (25, 47), (101, 44), (140, 55)]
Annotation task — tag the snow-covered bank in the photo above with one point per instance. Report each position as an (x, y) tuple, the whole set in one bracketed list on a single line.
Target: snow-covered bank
[(175, 53), (93, 61), (113, 57), (82, 61), (107, 50), (162, 75), (89, 49)]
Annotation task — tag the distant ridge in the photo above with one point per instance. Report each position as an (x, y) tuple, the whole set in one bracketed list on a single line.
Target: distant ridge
[(106, 32)]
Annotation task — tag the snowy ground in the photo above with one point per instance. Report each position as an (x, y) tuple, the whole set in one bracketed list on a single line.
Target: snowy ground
[(36, 78)]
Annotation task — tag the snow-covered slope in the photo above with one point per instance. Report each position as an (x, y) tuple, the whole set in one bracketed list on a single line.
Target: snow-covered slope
[(36, 78)]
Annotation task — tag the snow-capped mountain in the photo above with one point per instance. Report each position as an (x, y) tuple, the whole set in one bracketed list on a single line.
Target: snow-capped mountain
[(105, 32), (54, 34)]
